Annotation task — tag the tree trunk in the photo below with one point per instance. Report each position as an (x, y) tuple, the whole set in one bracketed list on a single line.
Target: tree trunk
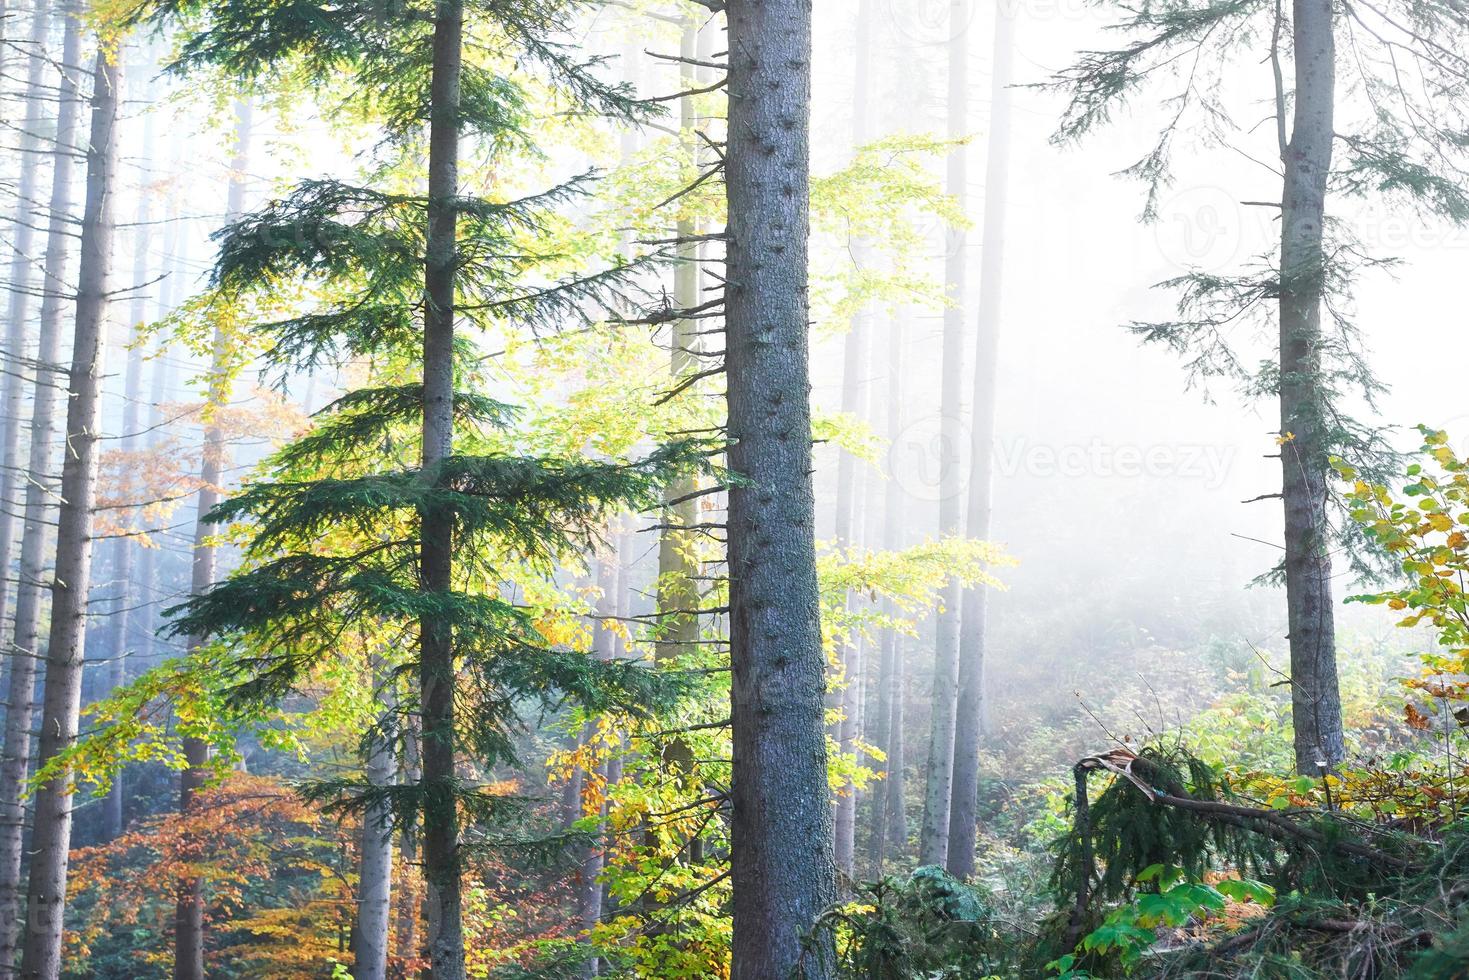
[(375, 871), (40, 491), (782, 864), (439, 785), (939, 774), (61, 697), (160, 387), (854, 403), (409, 899), (604, 648), (1315, 697), (22, 240), (188, 960), (678, 566), (970, 723), (128, 595), (888, 726)]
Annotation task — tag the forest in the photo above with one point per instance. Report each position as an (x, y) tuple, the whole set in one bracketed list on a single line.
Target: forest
[(752, 489)]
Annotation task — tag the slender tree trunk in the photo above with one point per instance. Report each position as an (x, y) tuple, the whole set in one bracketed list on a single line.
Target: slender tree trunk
[(1315, 695), (678, 566), (188, 961), (887, 728), (160, 386), (61, 697), (938, 788), (782, 863), (409, 898), (970, 723), (375, 871), (128, 595), (604, 648), (854, 403), (440, 812), (23, 235), (25, 651)]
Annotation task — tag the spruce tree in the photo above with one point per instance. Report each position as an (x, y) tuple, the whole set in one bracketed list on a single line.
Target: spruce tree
[(406, 505), (782, 863), (1403, 144)]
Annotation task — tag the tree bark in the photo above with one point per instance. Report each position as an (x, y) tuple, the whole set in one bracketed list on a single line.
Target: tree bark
[(61, 696), (375, 865), (939, 773), (27, 217), (40, 492), (970, 723), (188, 962), (122, 620), (439, 784), (1315, 696), (854, 403), (782, 863)]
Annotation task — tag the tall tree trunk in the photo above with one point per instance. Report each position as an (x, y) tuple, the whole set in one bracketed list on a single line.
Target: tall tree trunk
[(970, 723), (61, 697), (604, 648), (782, 863), (128, 595), (22, 240), (160, 386), (1315, 696), (188, 953), (375, 865), (678, 566), (440, 810), (409, 898), (24, 653), (854, 403), (888, 726), (939, 774)]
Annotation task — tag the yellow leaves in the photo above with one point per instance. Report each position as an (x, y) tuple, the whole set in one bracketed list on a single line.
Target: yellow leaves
[(1440, 521)]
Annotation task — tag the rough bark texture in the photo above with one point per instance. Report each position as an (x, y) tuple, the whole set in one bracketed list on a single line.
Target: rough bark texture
[(188, 961), (854, 403), (436, 669), (40, 494), (61, 697), (1315, 696), (970, 721), (933, 844), (782, 865)]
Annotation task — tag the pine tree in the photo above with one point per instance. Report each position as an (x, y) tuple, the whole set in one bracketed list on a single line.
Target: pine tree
[(40, 494), (974, 611), (345, 533), (62, 690), (782, 862), (1406, 150)]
